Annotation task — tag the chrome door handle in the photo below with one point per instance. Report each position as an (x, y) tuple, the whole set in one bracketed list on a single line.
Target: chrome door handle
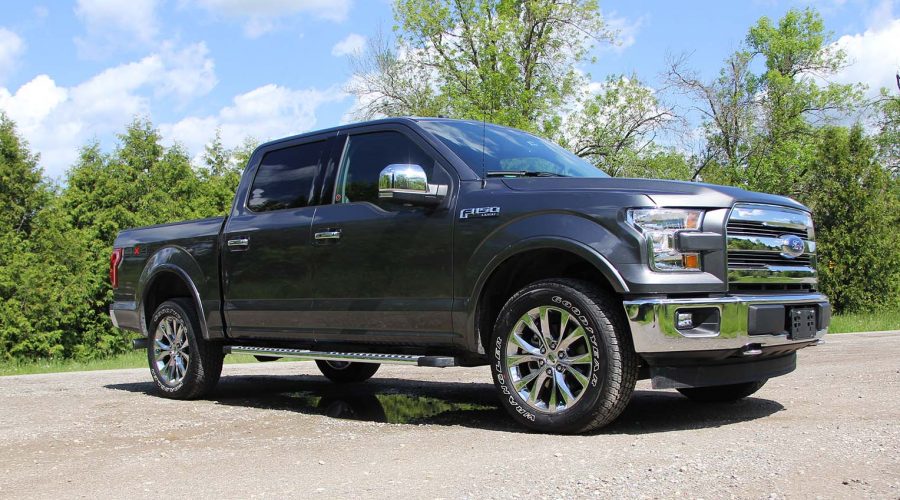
[(238, 242), (328, 235)]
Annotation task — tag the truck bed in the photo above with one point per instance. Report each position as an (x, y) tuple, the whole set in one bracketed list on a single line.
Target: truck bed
[(193, 245)]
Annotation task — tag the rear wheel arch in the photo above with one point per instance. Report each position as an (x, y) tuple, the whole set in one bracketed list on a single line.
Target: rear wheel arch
[(531, 261), (169, 282)]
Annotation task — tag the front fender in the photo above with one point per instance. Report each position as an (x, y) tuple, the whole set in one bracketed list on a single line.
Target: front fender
[(571, 232), (561, 230), (176, 260)]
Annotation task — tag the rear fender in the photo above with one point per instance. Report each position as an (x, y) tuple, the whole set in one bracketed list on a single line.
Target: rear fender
[(178, 261)]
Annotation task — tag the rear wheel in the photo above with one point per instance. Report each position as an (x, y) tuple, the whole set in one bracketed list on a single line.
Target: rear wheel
[(183, 364), (347, 372), (722, 393), (564, 362)]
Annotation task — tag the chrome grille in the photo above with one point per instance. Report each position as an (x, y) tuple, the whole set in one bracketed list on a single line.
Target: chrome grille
[(757, 258), (754, 228), (762, 259)]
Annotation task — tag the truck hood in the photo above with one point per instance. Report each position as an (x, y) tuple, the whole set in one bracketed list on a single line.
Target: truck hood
[(661, 193)]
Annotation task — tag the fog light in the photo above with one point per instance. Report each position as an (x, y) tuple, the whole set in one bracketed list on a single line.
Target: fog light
[(684, 320)]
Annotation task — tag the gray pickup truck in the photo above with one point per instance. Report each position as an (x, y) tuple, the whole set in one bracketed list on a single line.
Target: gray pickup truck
[(436, 242)]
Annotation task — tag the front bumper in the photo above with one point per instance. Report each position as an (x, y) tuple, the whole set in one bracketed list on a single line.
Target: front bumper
[(744, 323)]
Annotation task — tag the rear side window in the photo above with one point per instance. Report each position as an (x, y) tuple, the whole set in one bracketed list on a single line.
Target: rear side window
[(285, 178)]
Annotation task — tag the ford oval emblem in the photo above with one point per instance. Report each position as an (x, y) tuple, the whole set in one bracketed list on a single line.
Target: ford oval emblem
[(792, 246)]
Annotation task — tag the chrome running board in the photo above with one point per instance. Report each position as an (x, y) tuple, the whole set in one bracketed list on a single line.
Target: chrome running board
[(303, 354)]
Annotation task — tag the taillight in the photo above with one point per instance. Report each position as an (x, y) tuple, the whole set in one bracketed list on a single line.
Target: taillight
[(115, 259)]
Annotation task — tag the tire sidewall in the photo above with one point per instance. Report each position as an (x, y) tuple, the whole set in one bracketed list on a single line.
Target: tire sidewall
[(587, 315), (174, 309), (352, 373)]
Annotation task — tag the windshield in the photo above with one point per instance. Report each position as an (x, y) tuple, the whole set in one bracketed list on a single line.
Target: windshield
[(508, 150)]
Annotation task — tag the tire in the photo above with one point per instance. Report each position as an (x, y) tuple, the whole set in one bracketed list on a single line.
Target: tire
[(345, 372), (722, 393), (175, 325), (587, 371)]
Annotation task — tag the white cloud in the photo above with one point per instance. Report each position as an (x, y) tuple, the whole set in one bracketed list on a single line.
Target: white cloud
[(351, 44), (11, 47), (58, 120), (626, 30), (113, 24), (874, 56), (267, 112), (261, 16)]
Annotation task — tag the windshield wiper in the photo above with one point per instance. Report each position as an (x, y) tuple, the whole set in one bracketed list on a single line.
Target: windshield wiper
[(522, 173)]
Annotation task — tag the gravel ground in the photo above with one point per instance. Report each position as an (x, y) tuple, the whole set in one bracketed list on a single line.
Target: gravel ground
[(830, 429)]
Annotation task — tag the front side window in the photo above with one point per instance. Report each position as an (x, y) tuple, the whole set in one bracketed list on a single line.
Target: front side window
[(366, 155), (285, 178)]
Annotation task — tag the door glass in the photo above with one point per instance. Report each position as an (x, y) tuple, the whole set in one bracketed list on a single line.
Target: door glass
[(366, 156), (285, 178)]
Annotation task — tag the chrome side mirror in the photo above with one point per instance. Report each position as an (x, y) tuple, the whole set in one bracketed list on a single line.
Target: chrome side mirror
[(407, 183)]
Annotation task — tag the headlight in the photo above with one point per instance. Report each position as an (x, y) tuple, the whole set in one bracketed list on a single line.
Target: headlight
[(659, 225)]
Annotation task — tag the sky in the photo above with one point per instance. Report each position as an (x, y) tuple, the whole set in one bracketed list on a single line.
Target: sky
[(73, 72)]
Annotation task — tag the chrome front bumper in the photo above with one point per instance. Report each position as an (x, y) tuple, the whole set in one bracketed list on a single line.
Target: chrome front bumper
[(653, 323)]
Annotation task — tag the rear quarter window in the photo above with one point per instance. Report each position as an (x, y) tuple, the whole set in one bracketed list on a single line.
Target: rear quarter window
[(285, 178)]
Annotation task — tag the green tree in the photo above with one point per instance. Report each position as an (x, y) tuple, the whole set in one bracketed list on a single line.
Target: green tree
[(221, 173), (760, 126), (615, 126), (22, 190), (856, 220), (140, 183), (55, 244), (888, 137), (511, 62), (44, 270)]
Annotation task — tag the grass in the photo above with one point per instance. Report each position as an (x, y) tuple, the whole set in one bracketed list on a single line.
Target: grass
[(133, 359), (865, 322), (840, 323)]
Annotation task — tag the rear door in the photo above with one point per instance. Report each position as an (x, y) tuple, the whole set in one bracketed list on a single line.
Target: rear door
[(383, 269), (266, 261)]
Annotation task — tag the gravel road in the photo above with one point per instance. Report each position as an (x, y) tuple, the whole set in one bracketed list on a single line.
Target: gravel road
[(277, 430)]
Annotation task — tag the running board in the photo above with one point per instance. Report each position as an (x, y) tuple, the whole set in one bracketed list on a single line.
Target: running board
[(303, 354)]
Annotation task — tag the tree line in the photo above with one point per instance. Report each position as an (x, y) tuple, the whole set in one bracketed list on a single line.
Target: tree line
[(55, 240), (770, 121)]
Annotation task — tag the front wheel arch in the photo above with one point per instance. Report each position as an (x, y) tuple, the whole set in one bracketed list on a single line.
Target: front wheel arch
[(515, 270)]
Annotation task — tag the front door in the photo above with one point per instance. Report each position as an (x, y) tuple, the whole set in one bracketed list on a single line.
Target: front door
[(382, 268)]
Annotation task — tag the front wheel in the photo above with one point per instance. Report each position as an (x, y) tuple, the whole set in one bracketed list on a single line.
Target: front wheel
[(345, 372), (183, 364), (722, 393), (563, 359)]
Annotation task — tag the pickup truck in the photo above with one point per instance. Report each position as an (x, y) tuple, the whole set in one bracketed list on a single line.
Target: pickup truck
[(437, 242)]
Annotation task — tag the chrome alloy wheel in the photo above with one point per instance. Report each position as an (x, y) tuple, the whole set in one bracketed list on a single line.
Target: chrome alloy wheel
[(549, 359), (171, 350)]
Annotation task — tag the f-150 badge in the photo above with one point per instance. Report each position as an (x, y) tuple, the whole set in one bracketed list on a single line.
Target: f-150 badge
[(467, 213)]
